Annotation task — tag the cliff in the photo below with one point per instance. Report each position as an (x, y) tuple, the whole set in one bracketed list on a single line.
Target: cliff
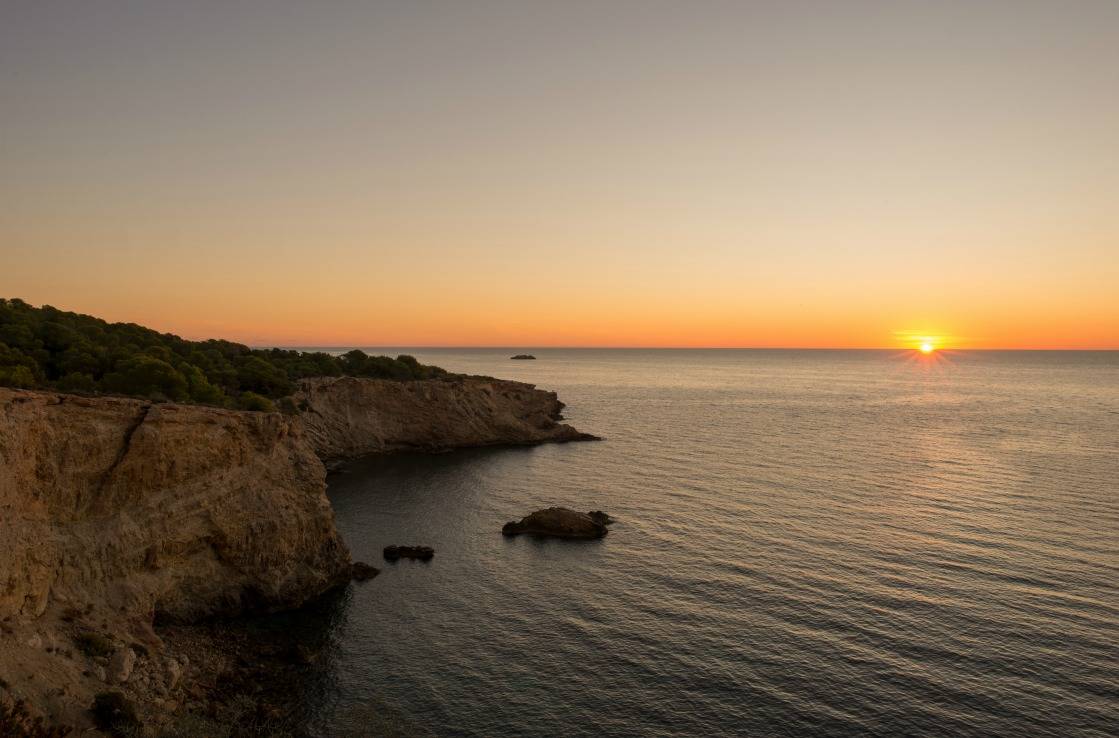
[(115, 512), (179, 510), (347, 417)]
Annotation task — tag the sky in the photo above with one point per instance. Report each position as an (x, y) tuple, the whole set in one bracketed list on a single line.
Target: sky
[(614, 173)]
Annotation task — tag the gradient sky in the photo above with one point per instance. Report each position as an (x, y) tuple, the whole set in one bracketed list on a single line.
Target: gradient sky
[(567, 173)]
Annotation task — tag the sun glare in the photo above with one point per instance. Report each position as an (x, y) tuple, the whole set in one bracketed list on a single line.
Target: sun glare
[(927, 348)]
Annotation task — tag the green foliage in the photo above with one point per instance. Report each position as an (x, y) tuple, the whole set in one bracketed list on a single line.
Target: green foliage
[(253, 401), (16, 376), (50, 349), (147, 376)]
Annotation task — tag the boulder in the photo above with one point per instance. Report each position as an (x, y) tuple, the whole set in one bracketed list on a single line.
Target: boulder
[(560, 522), (173, 674), (120, 667), (423, 553)]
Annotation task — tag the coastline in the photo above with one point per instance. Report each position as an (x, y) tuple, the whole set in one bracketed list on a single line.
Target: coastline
[(127, 522)]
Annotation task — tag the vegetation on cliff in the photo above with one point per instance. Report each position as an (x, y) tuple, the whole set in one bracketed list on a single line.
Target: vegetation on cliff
[(47, 348)]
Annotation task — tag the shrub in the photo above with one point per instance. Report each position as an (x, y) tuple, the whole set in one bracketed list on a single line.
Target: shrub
[(93, 644), (77, 382), (17, 376), (253, 401), (115, 714)]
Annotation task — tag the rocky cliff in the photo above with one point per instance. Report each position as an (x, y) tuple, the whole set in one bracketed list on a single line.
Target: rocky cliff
[(115, 512), (347, 417), (179, 510)]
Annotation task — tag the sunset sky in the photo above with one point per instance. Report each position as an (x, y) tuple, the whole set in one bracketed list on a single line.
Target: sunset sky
[(824, 174)]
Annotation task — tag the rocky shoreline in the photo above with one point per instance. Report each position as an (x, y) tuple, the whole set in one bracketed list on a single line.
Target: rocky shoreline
[(125, 523)]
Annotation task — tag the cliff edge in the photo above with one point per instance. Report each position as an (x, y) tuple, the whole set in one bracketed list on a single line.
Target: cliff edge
[(346, 417)]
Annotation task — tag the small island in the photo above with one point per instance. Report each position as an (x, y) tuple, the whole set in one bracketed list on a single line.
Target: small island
[(523, 357), (560, 522)]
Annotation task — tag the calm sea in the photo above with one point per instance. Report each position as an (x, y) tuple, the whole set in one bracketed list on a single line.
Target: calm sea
[(808, 543)]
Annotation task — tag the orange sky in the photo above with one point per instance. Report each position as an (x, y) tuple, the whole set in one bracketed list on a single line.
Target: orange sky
[(617, 174)]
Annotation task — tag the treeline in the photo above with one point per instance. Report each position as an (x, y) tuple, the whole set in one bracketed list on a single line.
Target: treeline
[(47, 348)]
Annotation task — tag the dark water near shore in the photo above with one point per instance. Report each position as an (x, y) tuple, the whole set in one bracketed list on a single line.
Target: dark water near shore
[(808, 543)]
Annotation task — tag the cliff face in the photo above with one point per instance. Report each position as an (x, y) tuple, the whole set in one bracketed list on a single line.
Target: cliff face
[(347, 417), (187, 511), (181, 510)]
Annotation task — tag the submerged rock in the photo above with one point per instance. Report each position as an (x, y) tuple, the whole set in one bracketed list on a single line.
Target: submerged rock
[(423, 553), (361, 571), (560, 522)]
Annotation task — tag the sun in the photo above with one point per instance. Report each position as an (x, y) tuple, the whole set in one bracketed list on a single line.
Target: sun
[(927, 348)]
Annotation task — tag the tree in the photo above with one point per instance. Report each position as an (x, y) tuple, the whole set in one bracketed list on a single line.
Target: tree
[(147, 376), (50, 348), (16, 376), (257, 375)]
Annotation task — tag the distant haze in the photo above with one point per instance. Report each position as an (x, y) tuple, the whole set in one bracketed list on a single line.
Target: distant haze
[(568, 173)]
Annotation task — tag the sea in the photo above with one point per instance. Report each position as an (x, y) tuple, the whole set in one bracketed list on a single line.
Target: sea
[(808, 543)]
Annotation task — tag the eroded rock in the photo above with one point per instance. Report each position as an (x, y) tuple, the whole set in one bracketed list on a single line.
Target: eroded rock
[(172, 674), (347, 417), (361, 571), (121, 665), (560, 522), (423, 553), (600, 517)]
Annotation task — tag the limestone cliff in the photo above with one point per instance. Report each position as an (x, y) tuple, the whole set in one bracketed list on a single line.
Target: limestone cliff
[(114, 511), (181, 510), (347, 417)]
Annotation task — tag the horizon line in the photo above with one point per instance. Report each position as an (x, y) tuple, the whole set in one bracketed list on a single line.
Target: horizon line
[(326, 347)]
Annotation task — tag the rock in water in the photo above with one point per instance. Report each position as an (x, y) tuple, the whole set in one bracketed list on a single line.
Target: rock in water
[(522, 357), (423, 553), (361, 571), (600, 517), (560, 522)]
